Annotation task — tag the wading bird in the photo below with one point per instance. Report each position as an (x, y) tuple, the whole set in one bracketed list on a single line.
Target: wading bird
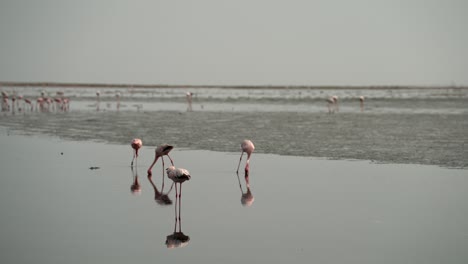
[(361, 100), (189, 96), (136, 145), (162, 150), (177, 238), (248, 147)]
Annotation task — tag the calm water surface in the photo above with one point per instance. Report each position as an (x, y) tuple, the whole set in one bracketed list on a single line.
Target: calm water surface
[(398, 201)]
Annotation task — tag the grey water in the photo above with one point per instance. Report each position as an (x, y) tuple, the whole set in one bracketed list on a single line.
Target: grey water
[(420, 126), (385, 184)]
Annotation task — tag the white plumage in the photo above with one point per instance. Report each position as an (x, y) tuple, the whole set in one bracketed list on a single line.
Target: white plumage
[(178, 174)]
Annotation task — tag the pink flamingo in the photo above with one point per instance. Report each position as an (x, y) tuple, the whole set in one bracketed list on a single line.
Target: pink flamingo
[(248, 147), (136, 145), (27, 101), (162, 150)]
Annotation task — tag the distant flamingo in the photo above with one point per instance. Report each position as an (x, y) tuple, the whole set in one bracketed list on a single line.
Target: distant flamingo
[(335, 99), (117, 96), (98, 100), (27, 101), (248, 147), (162, 150), (136, 145), (189, 96), (332, 104), (361, 100)]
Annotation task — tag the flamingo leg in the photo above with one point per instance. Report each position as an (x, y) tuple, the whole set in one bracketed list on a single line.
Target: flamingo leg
[(240, 161), (131, 164), (175, 213), (180, 205)]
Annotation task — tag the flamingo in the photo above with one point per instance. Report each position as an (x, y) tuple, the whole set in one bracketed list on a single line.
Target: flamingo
[(98, 101), (332, 104), (162, 150), (27, 101), (189, 101), (177, 238), (136, 145), (248, 147), (117, 96), (361, 99)]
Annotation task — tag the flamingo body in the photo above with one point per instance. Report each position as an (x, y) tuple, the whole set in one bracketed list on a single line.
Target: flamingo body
[(178, 175), (248, 147), (136, 145)]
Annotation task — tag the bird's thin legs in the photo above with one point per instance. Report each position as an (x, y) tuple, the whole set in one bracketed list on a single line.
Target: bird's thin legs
[(175, 212), (134, 155), (180, 204), (239, 161)]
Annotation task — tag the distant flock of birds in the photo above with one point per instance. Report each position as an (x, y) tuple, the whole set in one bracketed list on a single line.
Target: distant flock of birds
[(43, 103), (61, 103), (333, 106), (179, 176)]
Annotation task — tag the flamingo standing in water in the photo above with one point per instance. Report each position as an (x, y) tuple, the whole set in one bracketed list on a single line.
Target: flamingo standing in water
[(162, 150), (189, 96), (177, 238), (136, 145), (248, 147), (361, 100)]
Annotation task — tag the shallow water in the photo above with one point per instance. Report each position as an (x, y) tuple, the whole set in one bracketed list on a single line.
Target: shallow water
[(309, 202), (56, 210), (421, 138)]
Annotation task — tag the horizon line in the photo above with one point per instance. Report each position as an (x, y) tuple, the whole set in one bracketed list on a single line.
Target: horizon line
[(128, 85)]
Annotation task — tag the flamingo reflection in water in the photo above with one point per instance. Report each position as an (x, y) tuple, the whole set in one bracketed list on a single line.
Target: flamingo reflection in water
[(135, 188), (177, 238), (160, 197), (361, 102), (247, 198)]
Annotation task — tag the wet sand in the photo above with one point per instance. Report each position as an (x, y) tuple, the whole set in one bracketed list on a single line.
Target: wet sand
[(55, 209), (414, 138)]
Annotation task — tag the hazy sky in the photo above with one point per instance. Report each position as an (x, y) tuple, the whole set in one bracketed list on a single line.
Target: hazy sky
[(239, 42)]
